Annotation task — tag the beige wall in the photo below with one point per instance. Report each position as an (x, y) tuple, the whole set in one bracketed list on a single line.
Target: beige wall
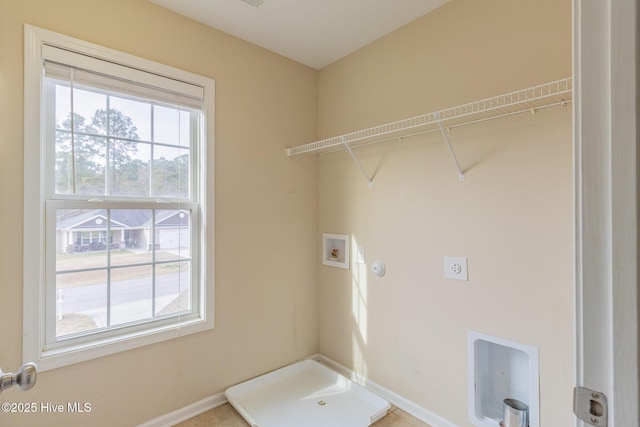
[(512, 216), (266, 216)]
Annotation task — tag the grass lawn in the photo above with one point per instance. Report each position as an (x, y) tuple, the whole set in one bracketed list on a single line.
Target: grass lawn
[(73, 323)]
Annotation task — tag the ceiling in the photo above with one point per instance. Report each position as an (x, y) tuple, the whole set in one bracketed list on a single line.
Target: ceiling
[(313, 32)]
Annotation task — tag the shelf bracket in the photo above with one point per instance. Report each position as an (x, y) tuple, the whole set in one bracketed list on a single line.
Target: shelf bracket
[(453, 153), (355, 159)]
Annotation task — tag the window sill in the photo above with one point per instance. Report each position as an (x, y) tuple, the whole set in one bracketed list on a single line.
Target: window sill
[(58, 357)]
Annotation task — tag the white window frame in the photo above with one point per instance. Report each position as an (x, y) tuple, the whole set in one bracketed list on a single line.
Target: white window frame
[(36, 247)]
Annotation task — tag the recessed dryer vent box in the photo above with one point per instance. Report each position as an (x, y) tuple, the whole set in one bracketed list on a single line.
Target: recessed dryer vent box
[(500, 369)]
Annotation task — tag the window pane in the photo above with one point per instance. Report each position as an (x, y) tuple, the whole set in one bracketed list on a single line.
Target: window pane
[(131, 294), (90, 162), (81, 302), (173, 287), (134, 115), (170, 172), (81, 240), (172, 126), (63, 106), (185, 129), (84, 155), (81, 154), (131, 229), (89, 111), (80, 120), (64, 166), (173, 233), (102, 251), (166, 125), (129, 168)]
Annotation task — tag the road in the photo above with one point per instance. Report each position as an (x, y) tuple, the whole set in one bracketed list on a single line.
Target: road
[(130, 299)]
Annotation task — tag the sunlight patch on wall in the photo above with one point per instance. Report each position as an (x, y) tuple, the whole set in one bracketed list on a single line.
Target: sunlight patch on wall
[(359, 309)]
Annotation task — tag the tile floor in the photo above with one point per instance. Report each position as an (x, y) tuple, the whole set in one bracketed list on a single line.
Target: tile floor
[(226, 416)]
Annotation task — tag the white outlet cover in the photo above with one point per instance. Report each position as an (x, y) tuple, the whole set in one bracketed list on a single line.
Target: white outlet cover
[(455, 268)]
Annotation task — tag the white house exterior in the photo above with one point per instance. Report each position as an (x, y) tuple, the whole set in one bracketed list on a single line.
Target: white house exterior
[(92, 230)]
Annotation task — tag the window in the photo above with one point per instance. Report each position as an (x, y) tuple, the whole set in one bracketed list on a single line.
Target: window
[(115, 179)]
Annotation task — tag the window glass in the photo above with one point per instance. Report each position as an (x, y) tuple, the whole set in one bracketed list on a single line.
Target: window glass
[(131, 294), (81, 302), (129, 168), (102, 151), (170, 172), (137, 112), (140, 258)]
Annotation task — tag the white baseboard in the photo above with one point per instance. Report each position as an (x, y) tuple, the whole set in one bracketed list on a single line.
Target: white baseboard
[(395, 399), (190, 411), (208, 403)]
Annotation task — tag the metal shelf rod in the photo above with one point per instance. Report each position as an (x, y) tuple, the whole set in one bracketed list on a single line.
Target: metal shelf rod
[(533, 98), (449, 127)]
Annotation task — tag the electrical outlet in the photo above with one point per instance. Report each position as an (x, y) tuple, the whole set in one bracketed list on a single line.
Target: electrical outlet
[(455, 268)]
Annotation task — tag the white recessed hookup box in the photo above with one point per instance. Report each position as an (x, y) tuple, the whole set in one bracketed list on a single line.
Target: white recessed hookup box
[(500, 369), (335, 250)]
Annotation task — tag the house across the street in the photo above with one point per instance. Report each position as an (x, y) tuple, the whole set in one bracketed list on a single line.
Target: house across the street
[(92, 230)]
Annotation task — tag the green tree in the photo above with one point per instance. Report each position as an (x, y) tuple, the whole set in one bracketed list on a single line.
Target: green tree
[(171, 177), (88, 152), (122, 145), (83, 165)]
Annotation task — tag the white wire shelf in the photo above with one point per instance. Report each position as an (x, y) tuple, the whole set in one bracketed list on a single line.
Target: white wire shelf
[(531, 99)]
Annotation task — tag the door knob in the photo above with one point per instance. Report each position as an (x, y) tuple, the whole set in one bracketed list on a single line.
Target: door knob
[(25, 378)]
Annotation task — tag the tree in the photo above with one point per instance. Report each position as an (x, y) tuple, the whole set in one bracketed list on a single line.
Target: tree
[(82, 168), (123, 134), (88, 152), (171, 177), (85, 162)]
